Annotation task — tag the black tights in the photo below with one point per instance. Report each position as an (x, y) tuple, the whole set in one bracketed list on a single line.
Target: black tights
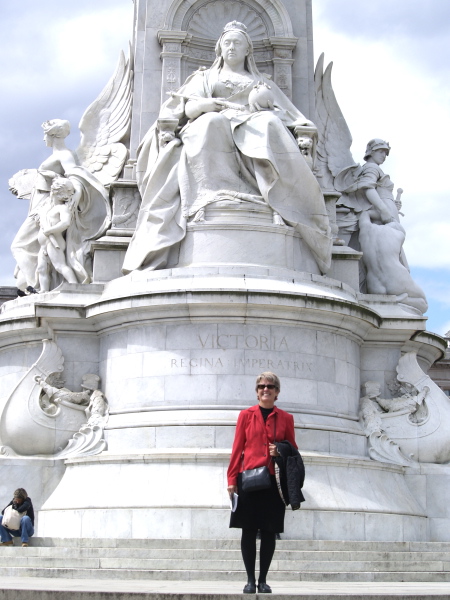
[(248, 549)]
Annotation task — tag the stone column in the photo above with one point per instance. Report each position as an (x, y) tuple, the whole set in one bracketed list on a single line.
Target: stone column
[(171, 58), (282, 62)]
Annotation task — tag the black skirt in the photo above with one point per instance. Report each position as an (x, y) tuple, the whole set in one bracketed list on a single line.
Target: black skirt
[(259, 510)]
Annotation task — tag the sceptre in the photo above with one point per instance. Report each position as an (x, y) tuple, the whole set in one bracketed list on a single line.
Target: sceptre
[(223, 103)]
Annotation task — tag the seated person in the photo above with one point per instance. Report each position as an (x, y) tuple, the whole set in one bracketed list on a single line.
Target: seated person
[(22, 503)]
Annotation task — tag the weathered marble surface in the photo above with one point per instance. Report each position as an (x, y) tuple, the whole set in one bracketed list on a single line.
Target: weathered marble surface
[(211, 145), (337, 505), (178, 351)]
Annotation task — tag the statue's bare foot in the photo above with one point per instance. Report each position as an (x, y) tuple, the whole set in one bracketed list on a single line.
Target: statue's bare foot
[(199, 216), (278, 220)]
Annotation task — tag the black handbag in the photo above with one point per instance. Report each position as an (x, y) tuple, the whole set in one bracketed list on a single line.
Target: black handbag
[(257, 479)]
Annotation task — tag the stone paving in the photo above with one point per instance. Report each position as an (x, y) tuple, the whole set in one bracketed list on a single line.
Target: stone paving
[(11, 587)]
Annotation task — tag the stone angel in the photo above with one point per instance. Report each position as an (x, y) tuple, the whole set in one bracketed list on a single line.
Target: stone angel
[(96, 163), (367, 213)]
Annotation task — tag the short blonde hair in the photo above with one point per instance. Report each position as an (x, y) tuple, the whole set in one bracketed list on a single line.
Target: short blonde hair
[(270, 377)]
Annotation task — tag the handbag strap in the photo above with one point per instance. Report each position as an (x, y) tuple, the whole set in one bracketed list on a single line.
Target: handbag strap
[(274, 436)]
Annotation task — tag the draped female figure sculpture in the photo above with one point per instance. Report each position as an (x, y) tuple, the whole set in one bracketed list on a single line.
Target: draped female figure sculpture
[(212, 143), (97, 162), (92, 214)]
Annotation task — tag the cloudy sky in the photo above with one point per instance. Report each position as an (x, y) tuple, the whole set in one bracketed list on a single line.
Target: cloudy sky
[(391, 76)]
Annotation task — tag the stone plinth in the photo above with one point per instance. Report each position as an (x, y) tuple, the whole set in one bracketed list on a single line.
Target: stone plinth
[(170, 505), (177, 351)]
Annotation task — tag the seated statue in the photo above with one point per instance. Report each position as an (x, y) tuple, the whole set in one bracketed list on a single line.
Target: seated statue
[(216, 140)]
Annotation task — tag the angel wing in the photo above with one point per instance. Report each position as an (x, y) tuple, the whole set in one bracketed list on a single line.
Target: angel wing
[(334, 137), (105, 123)]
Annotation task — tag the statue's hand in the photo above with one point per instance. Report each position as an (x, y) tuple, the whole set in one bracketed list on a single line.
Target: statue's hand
[(412, 404), (385, 216), (195, 108), (255, 107), (211, 105), (47, 174)]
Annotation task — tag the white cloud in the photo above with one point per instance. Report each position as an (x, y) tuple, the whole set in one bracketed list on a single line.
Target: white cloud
[(93, 52)]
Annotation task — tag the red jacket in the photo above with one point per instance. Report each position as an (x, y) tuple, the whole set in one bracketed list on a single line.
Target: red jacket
[(252, 438)]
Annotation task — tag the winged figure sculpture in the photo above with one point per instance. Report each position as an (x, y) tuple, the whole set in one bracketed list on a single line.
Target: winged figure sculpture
[(69, 199), (367, 214)]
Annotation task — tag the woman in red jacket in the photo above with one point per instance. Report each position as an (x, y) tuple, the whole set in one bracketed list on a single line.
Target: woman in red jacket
[(254, 446)]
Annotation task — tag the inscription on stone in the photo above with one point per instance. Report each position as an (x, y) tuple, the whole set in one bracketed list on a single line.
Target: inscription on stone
[(260, 363), (243, 342)]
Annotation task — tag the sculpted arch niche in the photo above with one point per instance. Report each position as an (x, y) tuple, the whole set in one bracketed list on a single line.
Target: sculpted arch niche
[(192, 28)]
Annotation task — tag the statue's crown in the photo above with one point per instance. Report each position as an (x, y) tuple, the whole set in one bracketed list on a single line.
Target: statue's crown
[(233, 25)]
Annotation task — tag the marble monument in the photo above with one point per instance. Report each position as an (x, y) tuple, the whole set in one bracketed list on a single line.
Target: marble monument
[(212, 225)]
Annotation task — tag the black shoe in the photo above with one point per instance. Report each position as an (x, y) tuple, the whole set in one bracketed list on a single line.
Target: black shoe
[(277, 536), (250, 588), (263, 588)]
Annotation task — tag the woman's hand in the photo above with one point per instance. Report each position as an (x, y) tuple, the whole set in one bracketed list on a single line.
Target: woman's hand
[(232, 489), (273, 450)]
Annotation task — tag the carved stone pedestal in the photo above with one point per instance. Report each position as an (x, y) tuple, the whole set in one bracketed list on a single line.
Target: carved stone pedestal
[(222, 239)]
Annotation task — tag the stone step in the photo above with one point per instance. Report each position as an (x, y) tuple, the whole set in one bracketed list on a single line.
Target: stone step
[(220, 576), (220, 560), (228, 555), (35, 588), (205, 566), (234, 544)]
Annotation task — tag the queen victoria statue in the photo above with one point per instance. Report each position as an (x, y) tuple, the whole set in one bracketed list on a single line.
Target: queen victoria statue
[(225, 135)]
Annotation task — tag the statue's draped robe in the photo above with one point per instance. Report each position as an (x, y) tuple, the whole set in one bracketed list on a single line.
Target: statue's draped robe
[(387, 270), (230, 151), (91, 219)]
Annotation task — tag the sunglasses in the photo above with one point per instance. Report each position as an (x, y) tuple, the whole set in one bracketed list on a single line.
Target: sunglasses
[(269, 386)]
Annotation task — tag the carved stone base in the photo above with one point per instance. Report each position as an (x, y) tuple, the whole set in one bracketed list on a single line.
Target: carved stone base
[(228, 244), (341, 502), (177, 351)]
